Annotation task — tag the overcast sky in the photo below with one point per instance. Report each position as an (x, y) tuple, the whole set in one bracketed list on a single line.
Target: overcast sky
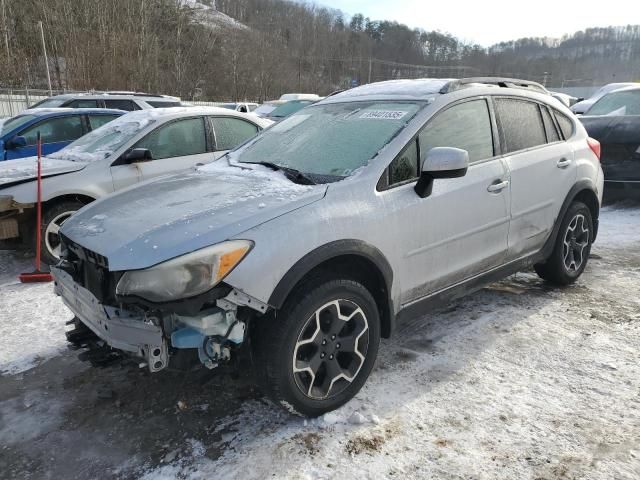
[(490, 21)]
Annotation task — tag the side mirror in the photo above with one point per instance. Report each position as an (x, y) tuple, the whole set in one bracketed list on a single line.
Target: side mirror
[(136, 155), (441, 162), (16, 142)]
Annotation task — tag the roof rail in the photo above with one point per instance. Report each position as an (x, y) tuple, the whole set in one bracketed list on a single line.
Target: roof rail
[(497, 81)]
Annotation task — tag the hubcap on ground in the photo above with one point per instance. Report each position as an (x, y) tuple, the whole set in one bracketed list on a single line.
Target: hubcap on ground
[(330, 349), (576, 240), (51, 237)]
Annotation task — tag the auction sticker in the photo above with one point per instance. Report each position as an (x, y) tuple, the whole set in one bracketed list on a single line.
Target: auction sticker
[(384, 114)]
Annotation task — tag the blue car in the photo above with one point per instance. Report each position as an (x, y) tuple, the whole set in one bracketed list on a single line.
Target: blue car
[(57, 126)]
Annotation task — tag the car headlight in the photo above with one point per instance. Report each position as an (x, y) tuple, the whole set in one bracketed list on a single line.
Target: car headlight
[(185, 276)]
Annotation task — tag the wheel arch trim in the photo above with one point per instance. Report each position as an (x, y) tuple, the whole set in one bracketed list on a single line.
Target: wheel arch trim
[(333, 250)]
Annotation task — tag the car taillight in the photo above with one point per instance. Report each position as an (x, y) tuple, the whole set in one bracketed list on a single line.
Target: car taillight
[(595, 147)]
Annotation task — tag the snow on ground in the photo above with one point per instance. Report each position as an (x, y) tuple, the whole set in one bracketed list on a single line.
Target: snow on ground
[(31, 316), (517, 381)]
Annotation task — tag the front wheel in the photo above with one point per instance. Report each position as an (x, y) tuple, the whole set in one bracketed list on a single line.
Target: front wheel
[(317, 352), (572, 248), (52, 219)]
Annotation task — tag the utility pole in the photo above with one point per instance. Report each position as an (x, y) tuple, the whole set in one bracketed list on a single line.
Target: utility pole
[(46, 59), (369, 77)]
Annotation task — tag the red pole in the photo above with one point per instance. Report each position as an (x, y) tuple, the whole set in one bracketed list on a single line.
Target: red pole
[(37, 275), (39, 205)]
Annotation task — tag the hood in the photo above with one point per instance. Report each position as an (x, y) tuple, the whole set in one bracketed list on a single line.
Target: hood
[(13, 172), (174, 215)]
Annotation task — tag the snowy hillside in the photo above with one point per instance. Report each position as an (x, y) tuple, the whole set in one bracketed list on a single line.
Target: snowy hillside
[(207, 14)]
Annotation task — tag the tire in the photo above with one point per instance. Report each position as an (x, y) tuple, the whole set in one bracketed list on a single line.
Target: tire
[(571, 250), (52, 219), (326, 373)]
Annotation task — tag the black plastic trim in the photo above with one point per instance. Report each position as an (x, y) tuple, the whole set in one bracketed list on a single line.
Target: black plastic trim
[(327, 252)]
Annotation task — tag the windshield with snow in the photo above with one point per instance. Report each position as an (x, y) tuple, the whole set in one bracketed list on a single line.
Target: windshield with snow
[(49, 103), (330, 140), (624, 102), (103, 141), (15, 122)]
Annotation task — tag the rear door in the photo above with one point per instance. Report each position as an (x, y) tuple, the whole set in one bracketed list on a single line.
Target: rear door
[(542, 171), (230, 132), (56, 133)]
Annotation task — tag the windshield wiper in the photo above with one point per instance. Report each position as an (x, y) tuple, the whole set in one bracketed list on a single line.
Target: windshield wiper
[(291, 173)]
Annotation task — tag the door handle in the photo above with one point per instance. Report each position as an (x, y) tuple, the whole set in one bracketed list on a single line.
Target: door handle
[(498, 186), (563, 163)]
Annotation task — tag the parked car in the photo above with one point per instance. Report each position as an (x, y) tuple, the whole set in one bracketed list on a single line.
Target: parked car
[(307, 244), (288, 108), (582, 106), (267, 107), (287, 97), (614, 120), (58, 127), (128, 101), (565, 98), (244, 107), (133, 148)]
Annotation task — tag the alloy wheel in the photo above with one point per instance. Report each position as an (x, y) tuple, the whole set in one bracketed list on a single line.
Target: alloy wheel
[(576, 241), (331, 349), (51, 236)]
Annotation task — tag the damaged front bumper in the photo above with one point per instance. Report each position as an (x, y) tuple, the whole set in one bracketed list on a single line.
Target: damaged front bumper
[(152, 337)]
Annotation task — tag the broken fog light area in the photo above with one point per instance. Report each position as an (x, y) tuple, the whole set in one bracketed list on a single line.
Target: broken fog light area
[(212, 332)]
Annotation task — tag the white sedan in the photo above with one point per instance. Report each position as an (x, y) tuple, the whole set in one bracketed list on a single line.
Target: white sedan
[(136, 147)]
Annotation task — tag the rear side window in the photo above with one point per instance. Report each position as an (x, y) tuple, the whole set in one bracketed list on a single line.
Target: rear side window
[(466, 126), (128, 105), (549, 125), (83, 104), (177, 139), (520, 124), (566, 124), (231, 132), (162, 104), (61, 129), (96, 121)]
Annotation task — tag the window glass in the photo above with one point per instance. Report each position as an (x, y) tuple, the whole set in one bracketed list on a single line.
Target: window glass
[(466, 126), (231, 132), (331, 140), (183, 137), (617, 103), (61, 129), (96, 121), (162, 104), (520, 123), (15, 122), (566, 124), (405, 166), (127, 105), (83, 104), (49, 103), (549, 126)]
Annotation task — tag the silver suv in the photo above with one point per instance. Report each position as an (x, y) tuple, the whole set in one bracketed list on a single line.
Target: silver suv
[(307, 244), (128, 101)]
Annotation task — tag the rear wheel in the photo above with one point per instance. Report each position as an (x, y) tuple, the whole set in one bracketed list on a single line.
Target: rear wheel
[(318, 351), (52, 219), (572, 248)]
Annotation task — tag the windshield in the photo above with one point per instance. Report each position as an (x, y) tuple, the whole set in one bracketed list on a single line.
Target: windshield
[(288, 108), (617, 103), (15, 122), (102, 142), (49, 103), (330, 140), (265, 109)]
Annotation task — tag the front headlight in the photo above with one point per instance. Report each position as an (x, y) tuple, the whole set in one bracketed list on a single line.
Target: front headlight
[(185, 276)]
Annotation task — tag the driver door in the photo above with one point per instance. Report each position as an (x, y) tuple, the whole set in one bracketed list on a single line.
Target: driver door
[(56, 133), (460, 230), (175, 146)]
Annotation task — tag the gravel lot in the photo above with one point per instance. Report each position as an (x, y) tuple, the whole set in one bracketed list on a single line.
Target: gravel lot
[(517, 381)]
